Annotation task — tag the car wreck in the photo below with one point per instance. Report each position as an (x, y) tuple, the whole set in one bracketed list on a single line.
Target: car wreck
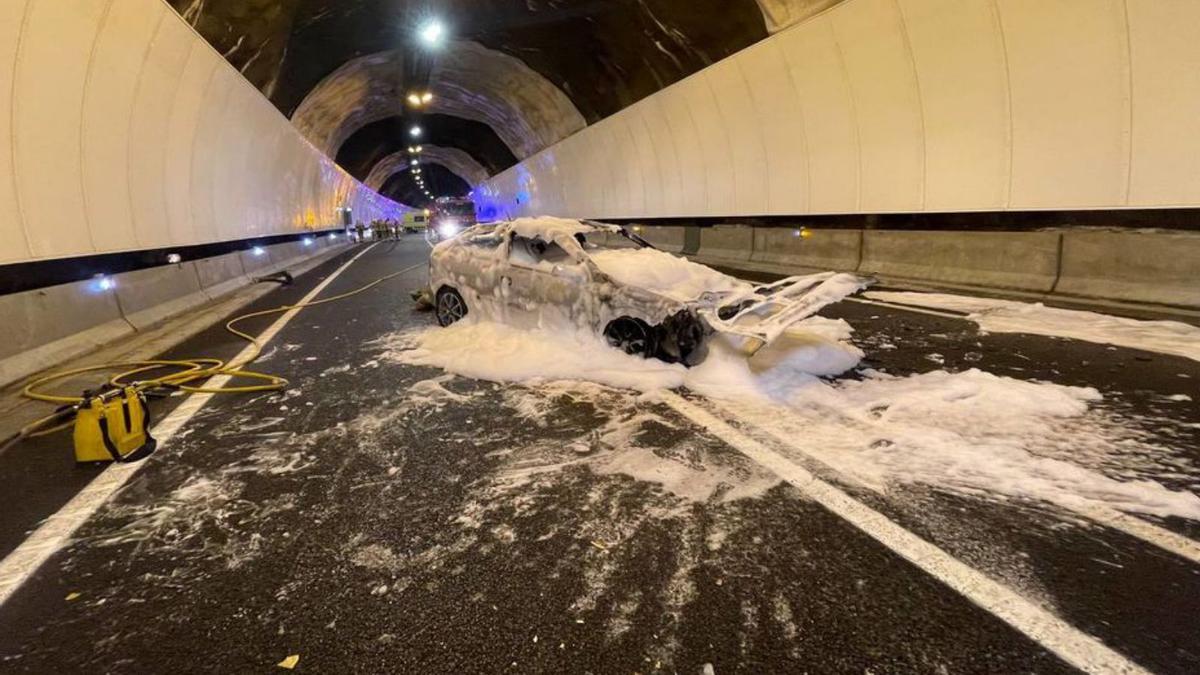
[(550, 272)]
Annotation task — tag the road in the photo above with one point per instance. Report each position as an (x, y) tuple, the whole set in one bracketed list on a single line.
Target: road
[(384, 517)]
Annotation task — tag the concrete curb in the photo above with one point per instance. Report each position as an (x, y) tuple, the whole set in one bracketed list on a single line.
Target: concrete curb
[(726, 242), (58, 323), (1024, 261), (1160, 267), (1127, 271)]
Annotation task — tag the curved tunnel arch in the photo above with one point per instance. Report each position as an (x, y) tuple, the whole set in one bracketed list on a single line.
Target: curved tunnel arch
[(470, 81), (457, 161), (369, 145)]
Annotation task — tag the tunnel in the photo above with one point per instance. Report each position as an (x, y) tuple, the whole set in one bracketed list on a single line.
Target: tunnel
[(600, 336)]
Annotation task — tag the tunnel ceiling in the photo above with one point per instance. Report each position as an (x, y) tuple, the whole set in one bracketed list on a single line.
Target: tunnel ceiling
[(531, 72)]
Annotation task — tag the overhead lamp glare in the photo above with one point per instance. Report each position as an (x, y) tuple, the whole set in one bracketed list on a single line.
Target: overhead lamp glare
[(432, 32)]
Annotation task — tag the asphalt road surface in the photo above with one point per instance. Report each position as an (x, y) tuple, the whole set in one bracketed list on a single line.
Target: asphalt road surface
[(381, 517)]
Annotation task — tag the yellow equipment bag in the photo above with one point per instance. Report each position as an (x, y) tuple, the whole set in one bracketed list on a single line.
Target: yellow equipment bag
[(115, 429)]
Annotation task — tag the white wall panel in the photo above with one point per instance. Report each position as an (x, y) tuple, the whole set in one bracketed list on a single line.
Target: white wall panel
[(148, 130), (1165, 51), (205, 154), (1070, 102), (780, 125), (740, 123), (114, 71), (670, 167), (922, 105), (827, 113), (959, 54), (607, 174), (648, 162), (57, 38), (198, 71), (887, 105), (633, 202), (118, 122), (714, 143), (677, 120), (13, 244)]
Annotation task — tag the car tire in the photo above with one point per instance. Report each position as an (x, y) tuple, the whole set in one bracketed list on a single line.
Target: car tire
[(632, 336), (449, 306)]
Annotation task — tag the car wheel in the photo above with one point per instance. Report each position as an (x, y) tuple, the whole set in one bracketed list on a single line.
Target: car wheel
[(632, 336), (450, 306)]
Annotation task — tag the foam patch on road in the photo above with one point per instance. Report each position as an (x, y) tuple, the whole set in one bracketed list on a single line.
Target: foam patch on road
[(501, 353), (1010, 316), (971, 432)]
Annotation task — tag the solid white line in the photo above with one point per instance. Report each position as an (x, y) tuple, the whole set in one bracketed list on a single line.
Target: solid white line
[(1140, 529), (1064, 640), (909, 308), (56, 530)]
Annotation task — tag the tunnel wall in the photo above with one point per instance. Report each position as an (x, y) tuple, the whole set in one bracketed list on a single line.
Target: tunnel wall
[(124, 130), (901, 106)]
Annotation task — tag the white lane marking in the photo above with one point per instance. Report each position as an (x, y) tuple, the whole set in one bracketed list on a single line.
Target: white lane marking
[(909, 308), (56, 530), (1064, 640), (1136, 527)]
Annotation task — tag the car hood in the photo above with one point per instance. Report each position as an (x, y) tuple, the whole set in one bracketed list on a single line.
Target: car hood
[(666, 275)]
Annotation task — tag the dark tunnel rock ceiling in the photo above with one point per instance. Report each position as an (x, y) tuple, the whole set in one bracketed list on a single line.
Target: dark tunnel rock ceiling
[(375, 141), (473, 82), (592, 57), (401, 187)]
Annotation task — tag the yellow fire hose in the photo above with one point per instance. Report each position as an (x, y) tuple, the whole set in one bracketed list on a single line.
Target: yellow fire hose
[(186, 378)]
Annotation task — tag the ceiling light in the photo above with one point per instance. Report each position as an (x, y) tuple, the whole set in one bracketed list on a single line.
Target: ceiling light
[(432, 32)]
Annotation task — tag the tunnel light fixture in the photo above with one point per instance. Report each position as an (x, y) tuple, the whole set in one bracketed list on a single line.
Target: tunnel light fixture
[(333, 235), (174, 258), (414, 162), (258, 251), (103, 282), (432, 33), (417, 99), (307, 241), (415, 132)]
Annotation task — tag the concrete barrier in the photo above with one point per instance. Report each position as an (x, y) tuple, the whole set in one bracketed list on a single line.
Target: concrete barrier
[(1151, 267), (1024, 261), (42, 328), (256, 264), (785, 251), (151, 295), (663, 237), (220, 275), (726, 243)]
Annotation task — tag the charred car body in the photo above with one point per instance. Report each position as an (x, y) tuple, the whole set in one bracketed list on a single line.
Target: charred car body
[(601, 278)]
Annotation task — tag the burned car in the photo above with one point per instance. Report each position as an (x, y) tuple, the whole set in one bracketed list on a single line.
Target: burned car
[(549, 272)]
